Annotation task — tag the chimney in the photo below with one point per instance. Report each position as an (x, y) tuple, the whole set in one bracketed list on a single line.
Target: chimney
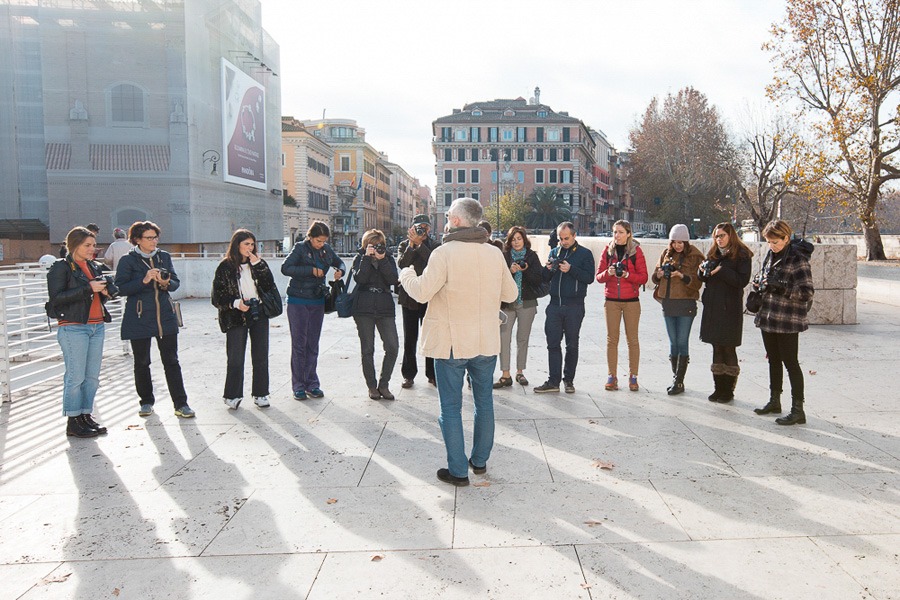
[(537, 95)]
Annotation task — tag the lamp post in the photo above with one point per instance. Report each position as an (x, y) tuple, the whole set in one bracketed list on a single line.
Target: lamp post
[(497, 162)]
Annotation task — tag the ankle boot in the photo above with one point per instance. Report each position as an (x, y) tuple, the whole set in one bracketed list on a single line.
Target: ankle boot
[(681, 369), (90, 422), (796, 416), (76, 428), (773, 406)]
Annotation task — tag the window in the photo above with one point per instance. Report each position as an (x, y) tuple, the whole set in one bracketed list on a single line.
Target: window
[(461, 155), (345, 163), (506, 154), (493, 176), (567, 198), (539, 176), (553, 135), (565, 134), (567, 155), (460, 135), (343, 132), (448, 154), (476, 176), (475, 133), (542, 113), (448, 175), (475, 196), (317, 200), (520, 154), (126, 103), (460, 194), (540, 134), (520, 176), (553, 176), (552, 154), (494, 152), (477, 112), (446, 133), (566, 176), (507, 135), (475, 155), (520, 134), (492, 134), (460, 176), (539, 155), (448, 198)]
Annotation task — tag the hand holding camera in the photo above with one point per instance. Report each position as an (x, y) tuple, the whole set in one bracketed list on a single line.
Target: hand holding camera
[(619, 269), (99, 284), (708, 268), (667, 270), (253, 309)]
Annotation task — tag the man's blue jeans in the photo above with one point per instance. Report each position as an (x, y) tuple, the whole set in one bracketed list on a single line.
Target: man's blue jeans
[(563, 320), (679, 330), (82, 348), (450, 373)]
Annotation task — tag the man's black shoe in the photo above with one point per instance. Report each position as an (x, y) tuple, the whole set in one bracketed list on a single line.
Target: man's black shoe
[(445, 476), (478, 470), (407, 383)]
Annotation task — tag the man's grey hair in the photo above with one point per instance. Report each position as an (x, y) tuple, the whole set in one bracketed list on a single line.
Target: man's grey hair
[(566, 225), (467, 210)]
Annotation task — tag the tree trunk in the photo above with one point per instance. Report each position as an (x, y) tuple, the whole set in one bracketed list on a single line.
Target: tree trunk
[(874, 247)]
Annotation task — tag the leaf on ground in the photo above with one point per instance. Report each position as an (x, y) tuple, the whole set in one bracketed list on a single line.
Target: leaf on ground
[(133, 427), (377, 557), (57, 579), (331, 501), (312, 420), (586, 586), (592, 422), (115, 592), (602, 464), (812, 372), (593, 522), (482, 484)]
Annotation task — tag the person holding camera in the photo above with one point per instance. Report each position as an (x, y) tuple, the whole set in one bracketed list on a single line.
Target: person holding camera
[(147, 276), (415, 251), (373, 307), (78, 293), (525, 266), (785, 283), (726, 272), (623, 270), (306, 265), (240, 280), (569, 269), (678, 289)]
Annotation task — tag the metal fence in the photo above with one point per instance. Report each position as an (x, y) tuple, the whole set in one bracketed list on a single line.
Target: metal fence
[(29, 352)]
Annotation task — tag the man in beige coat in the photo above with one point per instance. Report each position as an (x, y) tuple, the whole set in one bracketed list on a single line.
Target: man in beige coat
[(464, 283)]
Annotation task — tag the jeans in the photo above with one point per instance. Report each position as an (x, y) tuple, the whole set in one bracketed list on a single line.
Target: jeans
[(525, 317), (306, 327), (782, 349), (616, 312), (387, 329), (236, 349), (679, 330), (409, 368), (450, 373), (168, 354), (563, 320), (82, 348)]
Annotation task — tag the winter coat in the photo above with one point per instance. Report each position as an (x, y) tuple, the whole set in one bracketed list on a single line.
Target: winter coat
[(570, 288), (226, 289), (623, 288), (417, 258), (149, 311), (789, 294), (722, 322), (673, 288), (532, 277), (299, 267), (70, 291), (374, 279)]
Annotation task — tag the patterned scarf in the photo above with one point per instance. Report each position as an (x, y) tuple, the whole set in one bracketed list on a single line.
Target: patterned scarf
[(518, 255)]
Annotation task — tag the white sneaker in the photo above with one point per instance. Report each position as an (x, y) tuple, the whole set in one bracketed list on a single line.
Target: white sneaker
[(261, 401), (233, 403)]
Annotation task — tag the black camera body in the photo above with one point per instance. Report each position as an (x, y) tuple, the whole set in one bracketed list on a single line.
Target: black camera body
[(667, 270), (164, 273), (620, 268), (522, 264), (421, 229), (553, 263), (254, 313), (707, 267), (380, 248), (107, 279)]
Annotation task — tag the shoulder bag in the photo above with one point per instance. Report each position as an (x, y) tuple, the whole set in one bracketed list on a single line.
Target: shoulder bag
[(271, 302), (344, 299)]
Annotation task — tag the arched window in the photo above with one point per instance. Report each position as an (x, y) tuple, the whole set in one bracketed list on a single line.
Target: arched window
[(125, 217), (126, 103)]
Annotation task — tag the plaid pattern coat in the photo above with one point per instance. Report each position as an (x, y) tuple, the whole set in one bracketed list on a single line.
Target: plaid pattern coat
[(786, 312)]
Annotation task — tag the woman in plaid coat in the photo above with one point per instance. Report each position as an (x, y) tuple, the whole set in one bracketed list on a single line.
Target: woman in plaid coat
[(785, 282)]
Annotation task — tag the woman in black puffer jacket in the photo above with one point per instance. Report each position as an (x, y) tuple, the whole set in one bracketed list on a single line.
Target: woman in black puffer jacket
[(376, 272), (240, 280)]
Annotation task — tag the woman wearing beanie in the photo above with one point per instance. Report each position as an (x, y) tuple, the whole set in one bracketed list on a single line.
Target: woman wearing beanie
[(678, 289)]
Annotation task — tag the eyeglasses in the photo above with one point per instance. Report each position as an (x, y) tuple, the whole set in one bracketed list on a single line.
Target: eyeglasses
[(721, 235), (150, 238)]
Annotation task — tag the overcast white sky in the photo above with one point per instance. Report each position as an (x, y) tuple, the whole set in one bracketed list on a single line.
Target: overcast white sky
[(396, 66)]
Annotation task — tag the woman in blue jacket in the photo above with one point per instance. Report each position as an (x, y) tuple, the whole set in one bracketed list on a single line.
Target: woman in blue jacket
[(146, 276), (306, 265)]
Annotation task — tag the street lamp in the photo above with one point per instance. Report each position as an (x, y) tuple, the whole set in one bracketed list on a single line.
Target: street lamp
[(211, 156), (497, 162)]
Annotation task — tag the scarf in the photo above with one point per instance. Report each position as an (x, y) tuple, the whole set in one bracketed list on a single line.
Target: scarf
[(475, 235), (516, 256), (144, 254)]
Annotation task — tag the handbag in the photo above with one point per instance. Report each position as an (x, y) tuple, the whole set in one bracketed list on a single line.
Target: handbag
[(344, 300), (271, 303), (754, 301), (542, 290), (331, 295), (176, 308)]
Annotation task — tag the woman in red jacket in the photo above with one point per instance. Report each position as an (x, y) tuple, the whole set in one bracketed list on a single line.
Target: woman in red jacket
[(623, 270)]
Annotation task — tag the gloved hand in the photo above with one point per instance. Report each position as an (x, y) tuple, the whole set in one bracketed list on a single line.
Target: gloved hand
[(775, 286)]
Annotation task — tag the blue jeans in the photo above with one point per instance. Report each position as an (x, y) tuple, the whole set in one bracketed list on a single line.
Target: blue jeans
[(449, 373), (82, 348), (562, 320), (679, 330)]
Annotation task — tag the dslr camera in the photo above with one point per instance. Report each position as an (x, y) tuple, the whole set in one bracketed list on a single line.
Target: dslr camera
[(620, 268), (164, 273), (254, 313), (421, 229), (667, 270), (707, 267), (108, 280), (522, 264), (380, 248)]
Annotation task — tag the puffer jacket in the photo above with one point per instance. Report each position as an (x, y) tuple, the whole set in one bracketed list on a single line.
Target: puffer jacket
[(226, 289), (531, 277), (623, 288), (686, 288), (570, 288), (374, 279), (789, 295), (70, 291), (299, 267), (149, 311)]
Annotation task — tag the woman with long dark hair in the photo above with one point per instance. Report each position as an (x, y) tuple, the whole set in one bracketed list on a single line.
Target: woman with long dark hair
[(240, 280), (77, 297), (726, 272), (306, 265), (787, 294), (147, 276), (525, 266)]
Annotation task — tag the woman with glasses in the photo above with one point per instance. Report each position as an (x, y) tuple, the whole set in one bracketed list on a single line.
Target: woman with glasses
[(146, 275), (726, 272), (77, 297)]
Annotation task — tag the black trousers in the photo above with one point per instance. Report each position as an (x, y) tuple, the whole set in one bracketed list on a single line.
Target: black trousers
[(782, 349), (168, 353), (409, 368), (387, 329), (236, 348)]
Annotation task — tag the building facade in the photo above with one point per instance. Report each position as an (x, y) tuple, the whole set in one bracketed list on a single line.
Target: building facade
[(486, 148), (116, 111), (309, 191)]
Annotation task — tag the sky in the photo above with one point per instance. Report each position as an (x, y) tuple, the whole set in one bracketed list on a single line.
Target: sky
[(397, 66)]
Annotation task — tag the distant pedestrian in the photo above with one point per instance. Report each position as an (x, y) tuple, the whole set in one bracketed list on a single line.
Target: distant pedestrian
[(119, 248), (95, 229)]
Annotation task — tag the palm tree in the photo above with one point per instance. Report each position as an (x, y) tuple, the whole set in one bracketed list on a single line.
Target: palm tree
[(548, 209)]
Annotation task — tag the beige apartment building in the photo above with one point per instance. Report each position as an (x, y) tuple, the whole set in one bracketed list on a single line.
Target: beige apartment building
[(309, 193)]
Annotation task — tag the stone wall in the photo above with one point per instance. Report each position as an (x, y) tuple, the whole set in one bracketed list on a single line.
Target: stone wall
[(891, 243)]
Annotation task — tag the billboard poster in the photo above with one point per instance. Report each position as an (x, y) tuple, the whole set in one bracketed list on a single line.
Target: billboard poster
[(243, 128)]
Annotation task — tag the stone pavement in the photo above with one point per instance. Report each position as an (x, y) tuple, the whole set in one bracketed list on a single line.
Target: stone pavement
[(337, 498)]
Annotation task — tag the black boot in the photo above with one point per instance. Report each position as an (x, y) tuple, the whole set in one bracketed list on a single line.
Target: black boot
[(681, 369), (674, 361), (77, 428), (90, 422), (796, 416), (773, 406), (717, 393), (726, 393)]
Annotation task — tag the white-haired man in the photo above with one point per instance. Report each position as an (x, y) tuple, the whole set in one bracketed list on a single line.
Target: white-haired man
[(464, 283)]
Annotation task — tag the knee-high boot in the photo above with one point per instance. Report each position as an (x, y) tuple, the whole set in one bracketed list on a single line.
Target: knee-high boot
[(729, 381), (680, 370), (717, 370)]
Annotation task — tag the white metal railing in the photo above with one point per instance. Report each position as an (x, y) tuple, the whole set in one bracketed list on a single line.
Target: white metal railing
[(29, 352)]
